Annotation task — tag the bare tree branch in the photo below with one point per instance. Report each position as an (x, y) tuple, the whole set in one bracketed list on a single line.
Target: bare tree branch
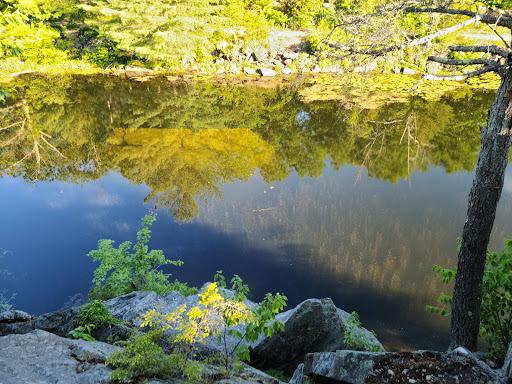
[(494, 49), (444, 60), (408, 44), (12, 125), (501, 37), (505, 21), (51, 146)]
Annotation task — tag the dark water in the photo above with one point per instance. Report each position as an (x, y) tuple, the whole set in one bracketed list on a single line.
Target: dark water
[(308, 199)]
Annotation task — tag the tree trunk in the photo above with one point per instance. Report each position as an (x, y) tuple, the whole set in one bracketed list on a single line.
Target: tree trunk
[(483, 200)]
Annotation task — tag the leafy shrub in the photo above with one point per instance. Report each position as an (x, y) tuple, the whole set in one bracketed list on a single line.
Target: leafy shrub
[(217, 314), (95, 312), (104, 54), (355, 337), (121, 272), (47, 9), (28, 40), (92, 314), (302, 13), (141, 356), (5, 299), (83, 332), (496, 307)]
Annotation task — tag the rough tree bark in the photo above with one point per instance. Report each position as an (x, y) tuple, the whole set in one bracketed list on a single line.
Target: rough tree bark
[(482, 203)]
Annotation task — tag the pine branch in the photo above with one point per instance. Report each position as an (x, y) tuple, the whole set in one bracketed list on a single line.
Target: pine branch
[(494, 49)]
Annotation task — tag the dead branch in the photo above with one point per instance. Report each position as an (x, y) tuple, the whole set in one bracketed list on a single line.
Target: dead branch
[(51, 146), (494, 49), (504, 21), (12, 125), (22, 133), (443, 60), (408, 44)]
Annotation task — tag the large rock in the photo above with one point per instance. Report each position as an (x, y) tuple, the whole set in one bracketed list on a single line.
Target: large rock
[(136, 71), (42, 357), (59, 323), (341, 366), (267, 72), (312, 326), (356, 367), (507, 367), (132, 306)]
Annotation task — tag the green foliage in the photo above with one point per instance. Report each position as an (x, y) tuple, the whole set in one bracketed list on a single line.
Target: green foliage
[(95, 312), (83, 332), (4, 94), (28, 40), (492, 4), (173, 32), (105, 54), (496, 306), (92, 314), (278, 374), (302, 13), (121, 272), (142, 357), (355, 337), (218, 314), (5, 300), (262, 320), (46, 9)]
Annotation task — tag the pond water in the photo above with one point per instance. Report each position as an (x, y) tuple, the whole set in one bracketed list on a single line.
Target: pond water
[(307, 199)]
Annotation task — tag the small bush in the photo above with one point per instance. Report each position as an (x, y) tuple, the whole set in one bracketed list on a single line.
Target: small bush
[(95, 312), (122, 272), (142, 357), (496, 307), (355, 337)]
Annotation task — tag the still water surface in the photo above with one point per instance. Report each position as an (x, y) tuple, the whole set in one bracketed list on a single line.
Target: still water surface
[(308, 199)]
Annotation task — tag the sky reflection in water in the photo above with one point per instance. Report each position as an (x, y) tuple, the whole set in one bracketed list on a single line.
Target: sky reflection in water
[(369, 243)]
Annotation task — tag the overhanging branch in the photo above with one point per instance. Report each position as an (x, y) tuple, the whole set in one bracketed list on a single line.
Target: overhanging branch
[(481, 61), (494, 49), (412, 43), (504, 21)]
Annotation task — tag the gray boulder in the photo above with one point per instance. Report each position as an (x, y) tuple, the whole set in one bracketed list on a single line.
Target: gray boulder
[(341, 366), (42, 357), (267, 72), (507, 367), (15, 322), (356, 367), (19, 322), (58, 323), (290, 55), (136, 71), (260, 54), (298, 376), (312, 326), (132, 306)]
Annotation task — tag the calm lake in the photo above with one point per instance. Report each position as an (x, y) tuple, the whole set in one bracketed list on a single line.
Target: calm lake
[(307, 199)]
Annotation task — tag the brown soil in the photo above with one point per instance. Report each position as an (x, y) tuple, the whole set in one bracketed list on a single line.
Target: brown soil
[(428, 367)]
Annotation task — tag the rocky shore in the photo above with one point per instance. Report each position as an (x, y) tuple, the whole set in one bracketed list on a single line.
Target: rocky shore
[(311, 347)]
